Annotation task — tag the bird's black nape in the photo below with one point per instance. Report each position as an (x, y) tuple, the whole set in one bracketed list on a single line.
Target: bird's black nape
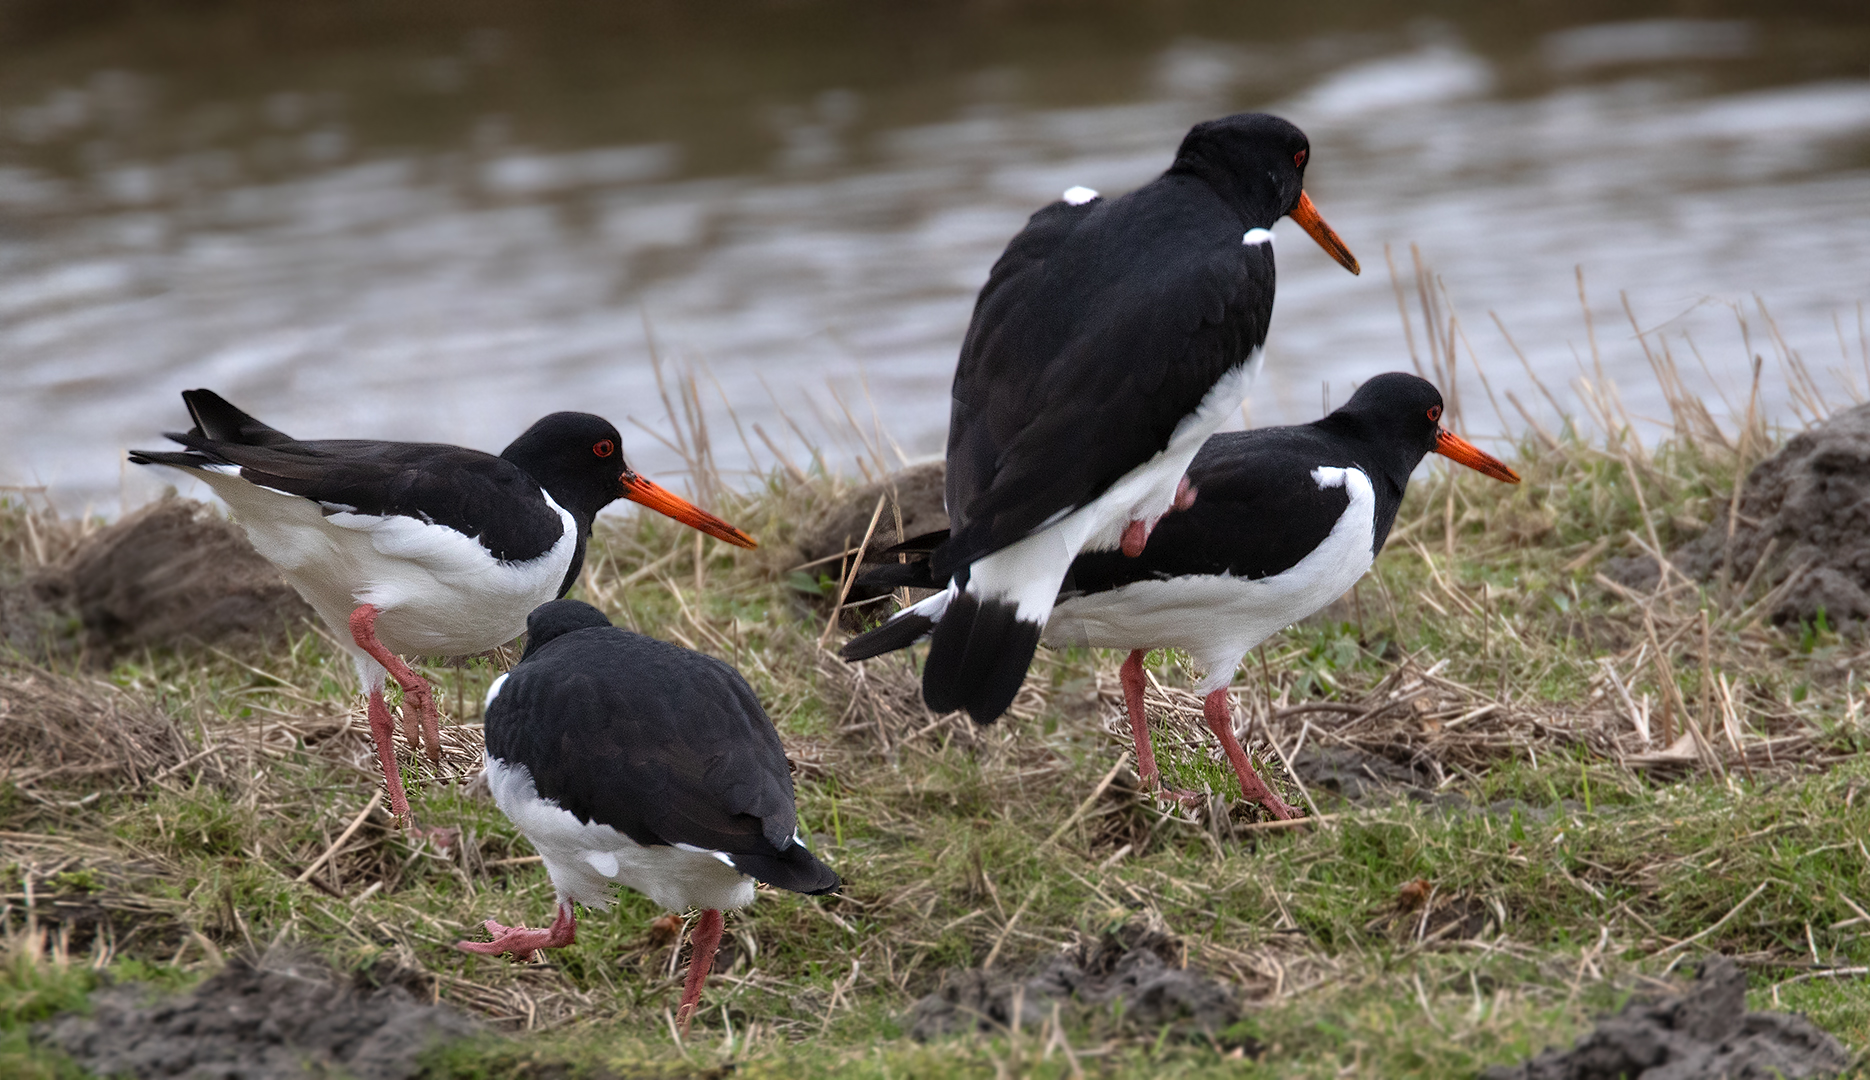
[(558, 618), (1255, 161), (1395, 409)]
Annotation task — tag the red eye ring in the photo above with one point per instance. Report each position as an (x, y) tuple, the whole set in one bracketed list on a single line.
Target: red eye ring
[(1434, 413), (1299, 158), (604, 448)]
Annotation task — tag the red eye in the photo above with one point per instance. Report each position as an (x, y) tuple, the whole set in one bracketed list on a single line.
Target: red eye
[(1434, 412), (604, 448), (1299, 159)]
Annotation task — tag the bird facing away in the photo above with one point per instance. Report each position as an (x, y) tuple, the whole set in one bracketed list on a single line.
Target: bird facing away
[(1287, 519), (418, 549), (627, 759), (1112, 338)]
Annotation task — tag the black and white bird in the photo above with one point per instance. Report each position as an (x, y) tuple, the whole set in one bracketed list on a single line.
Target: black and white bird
[(1112, 338), (418, 549), (630, 760), (1285, 521)]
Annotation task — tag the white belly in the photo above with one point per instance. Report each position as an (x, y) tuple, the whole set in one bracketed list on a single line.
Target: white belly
[(584, 861), (440, 593), (1218, 618)]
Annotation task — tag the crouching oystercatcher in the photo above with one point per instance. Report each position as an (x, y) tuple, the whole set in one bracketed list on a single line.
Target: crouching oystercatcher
[(1112, 338), (1286, 520), (627, 759), (418, 549)]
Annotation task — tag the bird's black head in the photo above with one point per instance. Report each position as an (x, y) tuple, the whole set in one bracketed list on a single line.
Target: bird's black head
[(1401, 414), (578, 459), (557, 618), (1256, 162)]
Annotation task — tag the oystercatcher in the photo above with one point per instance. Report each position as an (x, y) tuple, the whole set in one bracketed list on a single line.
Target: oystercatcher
[(1286, 520), (1112, 338), (418, 549), (628, 759)]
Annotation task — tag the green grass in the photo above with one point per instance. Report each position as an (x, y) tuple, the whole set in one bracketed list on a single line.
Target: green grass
[(1564, 869)]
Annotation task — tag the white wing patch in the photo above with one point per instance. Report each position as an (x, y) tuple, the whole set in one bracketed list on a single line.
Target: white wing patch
[(1328, 476), (1078, 195), (494, 691), (1257, 236)]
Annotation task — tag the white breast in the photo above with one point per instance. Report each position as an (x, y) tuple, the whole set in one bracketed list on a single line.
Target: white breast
[(584, 860), (1218, 618)]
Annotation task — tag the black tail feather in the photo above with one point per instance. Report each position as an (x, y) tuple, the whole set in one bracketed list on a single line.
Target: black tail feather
[(181, 459), (794, 869), (890, 576), (978, 657), (216, 419), (899, 633)]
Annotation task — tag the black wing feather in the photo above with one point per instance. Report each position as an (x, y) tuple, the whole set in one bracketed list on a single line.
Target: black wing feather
[(1257, 512)]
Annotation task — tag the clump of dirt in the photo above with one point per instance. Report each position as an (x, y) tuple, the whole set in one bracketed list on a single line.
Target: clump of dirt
[(1805, 515), (1358, 776), (279, 1020), (1705, 1031), (175, 571), (915, 493), (62, 731), (1134, 975)]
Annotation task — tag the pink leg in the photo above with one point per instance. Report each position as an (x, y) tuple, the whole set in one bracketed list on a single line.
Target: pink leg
[(1136, 533), (1132, 675), (521, 942), (705, 939), (1220, 716), (383, 731), (416, 696)]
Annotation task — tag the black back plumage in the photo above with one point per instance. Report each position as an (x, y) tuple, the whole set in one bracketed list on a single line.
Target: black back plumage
[(1103, 326), (496, 500), (662, 744)]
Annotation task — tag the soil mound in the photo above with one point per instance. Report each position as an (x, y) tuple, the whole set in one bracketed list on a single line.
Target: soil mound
[(66, 732), (1805, 514), (915, 492), (281, 1020), (1707, 1031), (172, 572), (1133, 975)]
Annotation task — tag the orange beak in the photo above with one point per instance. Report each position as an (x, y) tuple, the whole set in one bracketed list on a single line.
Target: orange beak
[(1308, 218), (1454, 447), (668, 503)]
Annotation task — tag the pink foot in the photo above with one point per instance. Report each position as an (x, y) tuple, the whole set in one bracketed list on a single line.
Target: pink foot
[(1136, 533), (417, 699), (1220, 716), (522, 942)]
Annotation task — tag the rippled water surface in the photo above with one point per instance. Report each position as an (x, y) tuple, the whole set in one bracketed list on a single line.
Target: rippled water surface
[(393, 220)]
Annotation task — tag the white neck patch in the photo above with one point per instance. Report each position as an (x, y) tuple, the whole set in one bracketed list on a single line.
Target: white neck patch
[(1257, 236), (1078, 195)]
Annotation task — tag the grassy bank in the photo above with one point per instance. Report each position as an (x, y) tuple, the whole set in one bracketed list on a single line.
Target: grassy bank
[(1591, 784)]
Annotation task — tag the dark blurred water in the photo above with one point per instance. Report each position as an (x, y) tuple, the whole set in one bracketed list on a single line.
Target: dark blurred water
[(425, 221)]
